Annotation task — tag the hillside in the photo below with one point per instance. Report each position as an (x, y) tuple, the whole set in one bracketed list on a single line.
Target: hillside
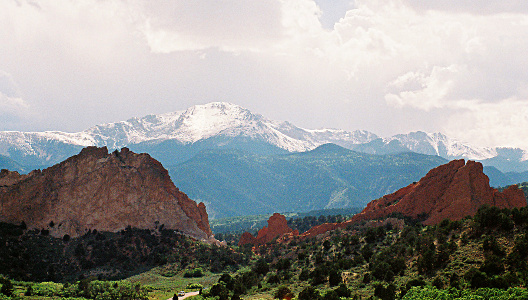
[(397, 258), (236, 183), (9, 164), (36, 256)]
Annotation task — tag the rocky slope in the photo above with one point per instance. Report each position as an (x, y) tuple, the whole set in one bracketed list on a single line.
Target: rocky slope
[(451, 191), (277, 227), (100, 190)]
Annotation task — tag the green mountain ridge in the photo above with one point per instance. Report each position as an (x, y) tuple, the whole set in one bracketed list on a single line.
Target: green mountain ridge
[(234, 182)]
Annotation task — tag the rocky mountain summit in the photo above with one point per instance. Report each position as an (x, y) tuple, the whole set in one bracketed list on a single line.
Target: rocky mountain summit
[(103, 191), (451, 191)]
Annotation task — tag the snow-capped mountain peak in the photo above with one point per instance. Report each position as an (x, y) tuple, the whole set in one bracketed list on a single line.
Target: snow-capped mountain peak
[(441, 145), (231, 121), (204, 121)]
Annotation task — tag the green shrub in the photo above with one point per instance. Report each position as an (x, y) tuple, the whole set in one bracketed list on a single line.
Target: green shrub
[(281, 292), (7, 287), (197, 272), (309, 293), (194, 286), (47, 289)]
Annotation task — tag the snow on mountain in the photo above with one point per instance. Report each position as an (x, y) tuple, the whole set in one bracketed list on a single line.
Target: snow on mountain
[(28, 142), (441, 145), (196, 123), (218, 119), (221, 119)]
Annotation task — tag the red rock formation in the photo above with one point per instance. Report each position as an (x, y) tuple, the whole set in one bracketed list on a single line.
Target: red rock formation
[(277, 226), (98, 190), (451, 191), (247, 238)]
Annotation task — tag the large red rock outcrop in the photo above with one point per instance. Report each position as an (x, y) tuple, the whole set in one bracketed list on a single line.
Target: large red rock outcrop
[(451, 191), (277, 226), (98, 190)]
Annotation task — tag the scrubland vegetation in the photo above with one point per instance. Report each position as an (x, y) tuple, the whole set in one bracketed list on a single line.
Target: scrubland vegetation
[(484, 257)]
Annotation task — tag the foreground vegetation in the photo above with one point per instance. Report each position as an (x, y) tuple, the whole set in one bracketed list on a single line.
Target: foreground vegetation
[(484, 257), (32, 255)]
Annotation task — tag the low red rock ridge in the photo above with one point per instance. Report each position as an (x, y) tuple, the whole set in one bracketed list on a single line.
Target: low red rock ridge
[(100, 190), (277, 227)]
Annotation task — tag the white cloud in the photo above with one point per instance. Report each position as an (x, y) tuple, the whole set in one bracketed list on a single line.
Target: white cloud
[(195, 25), (430, 90), (404, 62), (12, 106), (502, 123), (471, 6)]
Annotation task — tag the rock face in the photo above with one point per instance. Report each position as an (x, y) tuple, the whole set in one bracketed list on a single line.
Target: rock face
[(277, 226), (98, 190), (451, 191)]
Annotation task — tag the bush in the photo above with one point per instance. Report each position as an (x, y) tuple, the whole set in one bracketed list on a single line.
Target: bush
[(334, 278), (282, 292), (194, 286), (438, 282), (7, 287), (220, 291), (331, 295), (273, 278), (318, 275), (309, 293), (197, 272), (385, 293), (490, 245), (343, 291), (47, 289), (412, 283), (283, 264), (261, 267), (418, 293), (367, 252), (493, 265)]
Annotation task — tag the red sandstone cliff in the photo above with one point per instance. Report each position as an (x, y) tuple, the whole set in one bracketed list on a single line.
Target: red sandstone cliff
[(451, 191), (277, 226), (98, 190)]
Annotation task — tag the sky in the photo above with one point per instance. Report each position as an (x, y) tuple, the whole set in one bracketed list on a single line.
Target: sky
[(459, 67)]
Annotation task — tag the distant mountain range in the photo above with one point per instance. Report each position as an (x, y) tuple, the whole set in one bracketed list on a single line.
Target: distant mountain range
[(177, 136)]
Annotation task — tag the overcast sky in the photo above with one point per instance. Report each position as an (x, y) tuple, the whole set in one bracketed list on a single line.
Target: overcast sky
[(390, 66)]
